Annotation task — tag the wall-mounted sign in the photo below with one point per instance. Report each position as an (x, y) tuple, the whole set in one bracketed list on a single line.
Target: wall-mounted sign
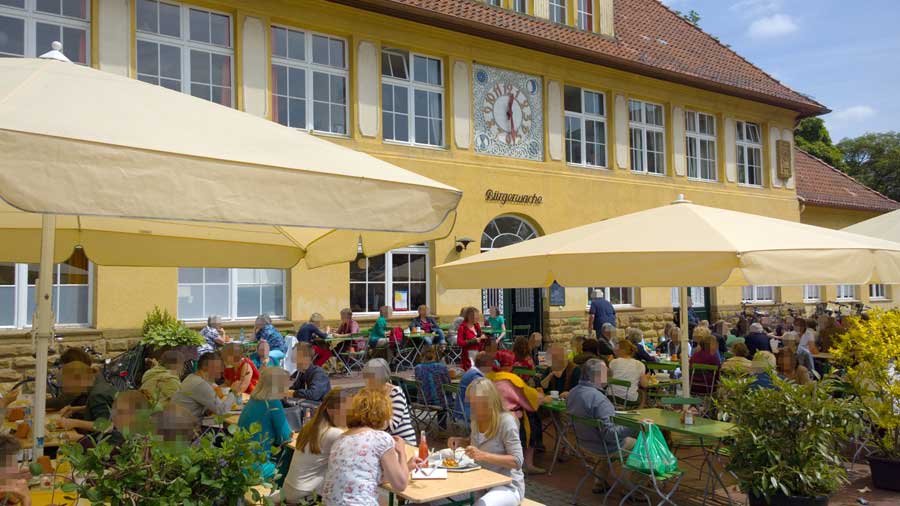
[(557, 294), (401, 300), (783, 152), (513, 198)]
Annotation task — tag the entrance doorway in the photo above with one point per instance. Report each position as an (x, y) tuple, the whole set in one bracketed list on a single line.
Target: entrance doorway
[(700, 297), (521, 307)]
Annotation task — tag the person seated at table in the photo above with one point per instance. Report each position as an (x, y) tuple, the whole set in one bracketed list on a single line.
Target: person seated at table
[(764, 363), (589, 349), (454, 325), (377, 375), (348, 328), (310, 332), (197, 394), (469, 337), (729, 332), (311, 382), (498, 325), (239, 370), (366, 456), (81, 379), (563, 374), (675, 340), (791, 364), (704, 382), (536, 343), (428, 325), (265, 408), (13, 479), (626, 367), (263, 330), (757, 340), (607, 338), (432, 374), (575, 346), (484, 365), (261, 357), (214, 335), (523, 402), (522, 351), (306, 473), (63, 400), (738, 363), (378, 333), (587, 400), (161, 381), (636, 336), (494, 444), (130, 415)]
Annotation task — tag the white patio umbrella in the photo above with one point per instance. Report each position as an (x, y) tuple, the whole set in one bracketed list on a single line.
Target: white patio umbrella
[(139, 175), (682, 245), (885, 226)]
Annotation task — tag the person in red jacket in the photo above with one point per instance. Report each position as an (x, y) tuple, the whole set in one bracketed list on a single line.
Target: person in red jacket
[(469, 337), (239, 369)]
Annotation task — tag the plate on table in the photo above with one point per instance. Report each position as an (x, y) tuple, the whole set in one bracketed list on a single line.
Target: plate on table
[(454, 462)]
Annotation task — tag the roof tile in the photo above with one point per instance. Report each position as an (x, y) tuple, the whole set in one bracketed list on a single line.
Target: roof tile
[(821, 184)]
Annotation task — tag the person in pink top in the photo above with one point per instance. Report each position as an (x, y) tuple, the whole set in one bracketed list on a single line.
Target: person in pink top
[(522, 401)]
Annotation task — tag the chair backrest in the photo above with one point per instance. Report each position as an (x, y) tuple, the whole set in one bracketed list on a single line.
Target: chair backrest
[(680, 401), (521, 330), (524, 371), (289, 362), (621, 400), (708, 374), (587, 423), (452, 400), (656, 366)]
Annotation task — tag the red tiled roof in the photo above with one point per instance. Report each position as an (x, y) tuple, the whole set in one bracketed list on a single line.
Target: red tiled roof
[(821, 184), (649, 39)]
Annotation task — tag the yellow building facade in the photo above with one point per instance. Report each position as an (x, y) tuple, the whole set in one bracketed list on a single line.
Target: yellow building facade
[(538, 142)]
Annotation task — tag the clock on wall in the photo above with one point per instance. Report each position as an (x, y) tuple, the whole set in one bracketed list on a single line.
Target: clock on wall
[(509, 118)]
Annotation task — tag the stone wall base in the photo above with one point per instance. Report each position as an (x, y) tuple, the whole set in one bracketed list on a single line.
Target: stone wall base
[(652, 321)]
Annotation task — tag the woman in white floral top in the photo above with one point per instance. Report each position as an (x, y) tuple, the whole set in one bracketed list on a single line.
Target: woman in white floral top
[(365, 455)]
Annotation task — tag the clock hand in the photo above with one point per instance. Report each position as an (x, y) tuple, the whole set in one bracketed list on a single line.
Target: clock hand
[(509, 115)]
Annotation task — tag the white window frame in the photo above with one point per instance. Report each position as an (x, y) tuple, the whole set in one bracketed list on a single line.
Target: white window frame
[(32, 17), (184, 43), (558, 8), (698, 296), (693, 137), (583, 118), (812, 293), (20, 312), (878, 291), (520, 6), (233, 285), (389, 279), (841, 293), (753, 294), (412, 86), (309, 68), (606, 295), (495, 3), (744, 145), (584, 15), (644, 128)]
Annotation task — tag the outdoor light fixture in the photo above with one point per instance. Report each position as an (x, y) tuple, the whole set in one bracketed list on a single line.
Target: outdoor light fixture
[(462, 243)]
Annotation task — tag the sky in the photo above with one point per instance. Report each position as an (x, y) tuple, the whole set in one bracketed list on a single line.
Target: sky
[(845, 54)]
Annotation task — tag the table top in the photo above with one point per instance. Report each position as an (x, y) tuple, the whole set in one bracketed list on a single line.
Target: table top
[(671, 421), (558, 406), (425, 491), (51, 438)]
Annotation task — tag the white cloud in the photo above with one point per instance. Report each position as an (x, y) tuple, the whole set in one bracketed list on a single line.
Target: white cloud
[(772, 26), (756, 8), (853, 114)]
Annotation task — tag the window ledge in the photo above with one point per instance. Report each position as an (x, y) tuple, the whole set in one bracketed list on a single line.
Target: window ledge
[(706, 181), (646, 173), (414, 145), (754, 186), (881, 300), (759, 303), (590, 167)]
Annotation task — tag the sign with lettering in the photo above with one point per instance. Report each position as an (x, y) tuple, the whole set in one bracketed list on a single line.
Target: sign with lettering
[(513, 198), (557, 294), (783, 152)]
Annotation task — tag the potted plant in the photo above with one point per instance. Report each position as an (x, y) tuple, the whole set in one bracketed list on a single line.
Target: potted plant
[(869, 352), (147, 470), (163, 332), (786, 444)]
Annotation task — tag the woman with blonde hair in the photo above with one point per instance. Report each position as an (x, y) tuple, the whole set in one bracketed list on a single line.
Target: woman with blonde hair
[(494, 443), (306, 474), (704, 382), (265, 408), (625, 367), (366, 456)]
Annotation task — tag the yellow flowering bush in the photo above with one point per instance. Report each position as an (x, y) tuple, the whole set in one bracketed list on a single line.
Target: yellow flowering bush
[(869, 351)]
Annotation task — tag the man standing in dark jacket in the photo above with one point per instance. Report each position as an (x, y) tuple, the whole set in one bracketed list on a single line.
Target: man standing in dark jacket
[(601, 312), (311, 382), (757, 340)]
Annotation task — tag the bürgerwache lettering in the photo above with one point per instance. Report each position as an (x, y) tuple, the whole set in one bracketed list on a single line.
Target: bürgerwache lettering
[(512, 198)]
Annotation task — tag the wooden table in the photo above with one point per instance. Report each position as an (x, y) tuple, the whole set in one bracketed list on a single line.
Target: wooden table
[(456, 484), (51, 438)]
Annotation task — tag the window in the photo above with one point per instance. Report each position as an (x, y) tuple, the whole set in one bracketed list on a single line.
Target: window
[(758, 294), (495, 3), (401, 275), (812, 293), (72, 289), (700, 139), (412, 98), (558, 11), (749, 154), (185, 49), (877, 292), (309, 71), (28, 27), (230, 293), (846, 292), (585, 14), (520, 6), (616, 295), (585, 127), (648, 145), (696, 293)]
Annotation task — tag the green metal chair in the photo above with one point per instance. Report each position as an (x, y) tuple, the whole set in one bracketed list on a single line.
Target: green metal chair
[(593, 461), (423, 414), (647, 482), (706, 377), (454, 405), (620, 402)]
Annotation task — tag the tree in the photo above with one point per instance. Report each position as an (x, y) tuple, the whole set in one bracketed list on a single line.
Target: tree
[(812, 136), (874, 160), (692, 16)]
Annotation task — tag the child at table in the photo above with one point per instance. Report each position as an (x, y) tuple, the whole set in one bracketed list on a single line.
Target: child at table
[(13, 481)]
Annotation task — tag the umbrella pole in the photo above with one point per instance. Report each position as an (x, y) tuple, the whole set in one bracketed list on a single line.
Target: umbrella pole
[(43, 326), (683, 352)]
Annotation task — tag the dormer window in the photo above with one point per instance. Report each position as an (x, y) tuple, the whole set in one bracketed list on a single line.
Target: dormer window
[(558, 11), (585, 15)]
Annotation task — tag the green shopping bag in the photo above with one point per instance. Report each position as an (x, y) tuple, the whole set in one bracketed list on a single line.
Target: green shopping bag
[(651, 448)]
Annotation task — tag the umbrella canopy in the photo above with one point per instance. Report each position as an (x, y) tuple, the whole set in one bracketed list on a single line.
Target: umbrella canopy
[(93, 148), (886, 226), (682, 244)]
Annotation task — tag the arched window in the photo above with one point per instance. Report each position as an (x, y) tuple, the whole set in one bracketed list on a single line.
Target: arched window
[(505, 230)]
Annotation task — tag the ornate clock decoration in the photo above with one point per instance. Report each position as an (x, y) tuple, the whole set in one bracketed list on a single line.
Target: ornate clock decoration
[(508, 113)]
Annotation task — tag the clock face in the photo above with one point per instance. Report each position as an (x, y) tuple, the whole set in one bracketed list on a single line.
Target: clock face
[(508, 113)]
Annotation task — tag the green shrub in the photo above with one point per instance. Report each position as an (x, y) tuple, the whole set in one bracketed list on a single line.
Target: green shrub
[(161, 330)]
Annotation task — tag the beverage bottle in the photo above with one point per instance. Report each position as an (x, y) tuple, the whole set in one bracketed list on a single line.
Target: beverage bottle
[(423, 447)]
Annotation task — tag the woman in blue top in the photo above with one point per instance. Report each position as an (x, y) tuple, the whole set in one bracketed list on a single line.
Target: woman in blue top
[(310, 333), (498, 324), (265, 331), (264, 408)]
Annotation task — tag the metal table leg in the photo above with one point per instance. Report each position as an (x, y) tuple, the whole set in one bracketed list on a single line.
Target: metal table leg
[(713, 475)]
